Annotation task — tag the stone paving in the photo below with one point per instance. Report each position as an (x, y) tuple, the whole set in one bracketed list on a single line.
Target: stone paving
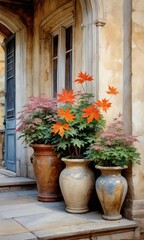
[(22, 217)]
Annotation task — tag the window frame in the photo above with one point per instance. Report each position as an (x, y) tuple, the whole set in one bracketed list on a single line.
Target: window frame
[(61, 32)]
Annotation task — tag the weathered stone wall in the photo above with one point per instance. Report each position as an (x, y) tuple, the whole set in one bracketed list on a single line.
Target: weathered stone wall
[(138, 90), (42, 79), (138, 106), (121, 64), (2, 70), (111, 55)]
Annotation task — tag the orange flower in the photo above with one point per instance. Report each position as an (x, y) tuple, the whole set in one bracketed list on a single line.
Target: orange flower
[(92, 113), (112, 91), (60, 128), (66, 97), (104, 104), (82, 77), (66, 114)]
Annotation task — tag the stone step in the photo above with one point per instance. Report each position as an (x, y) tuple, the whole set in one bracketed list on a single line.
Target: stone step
[(10, 182), (80, 230), (22, 217)]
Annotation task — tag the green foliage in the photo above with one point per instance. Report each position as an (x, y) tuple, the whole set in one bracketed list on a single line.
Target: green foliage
[(114, 147), (36, 119), (76, 141)]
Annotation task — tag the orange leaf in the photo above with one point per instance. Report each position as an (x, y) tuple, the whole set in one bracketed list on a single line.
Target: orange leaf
[(92, 113), (66, 97), (112, 91), (82, 77), (66, 114), (60, 128), (104, 104)]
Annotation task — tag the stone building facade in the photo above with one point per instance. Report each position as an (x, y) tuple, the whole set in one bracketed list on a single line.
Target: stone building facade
[(2, 101), (107, 42)]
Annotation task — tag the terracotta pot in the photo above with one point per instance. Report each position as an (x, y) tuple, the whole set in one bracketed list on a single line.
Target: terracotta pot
[(111, 188), (47, 167), (77, 183)]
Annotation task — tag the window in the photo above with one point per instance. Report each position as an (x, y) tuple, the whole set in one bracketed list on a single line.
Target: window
[(62, 59), (55, 63)]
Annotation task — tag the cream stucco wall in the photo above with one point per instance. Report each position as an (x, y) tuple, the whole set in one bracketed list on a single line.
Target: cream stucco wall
[(138, 91), (111, 55)]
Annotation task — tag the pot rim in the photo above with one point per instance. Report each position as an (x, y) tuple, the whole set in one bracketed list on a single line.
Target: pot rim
[(44, 146), (111, 167), (40, 145), (76, 160)]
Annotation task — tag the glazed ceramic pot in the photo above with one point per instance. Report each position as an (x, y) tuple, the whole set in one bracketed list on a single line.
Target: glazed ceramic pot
[(111, 188), (77, 182), (47, 168)]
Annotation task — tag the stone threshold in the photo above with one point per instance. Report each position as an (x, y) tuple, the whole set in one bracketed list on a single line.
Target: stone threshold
[(24, 218), (9, 181), (77, 227)]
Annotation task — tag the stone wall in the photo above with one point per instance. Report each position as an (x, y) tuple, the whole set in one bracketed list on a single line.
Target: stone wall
[(2, 70)]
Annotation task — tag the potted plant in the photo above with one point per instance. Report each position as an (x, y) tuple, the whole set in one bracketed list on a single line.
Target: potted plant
[(78, 120), (34, 126), (112, 152)]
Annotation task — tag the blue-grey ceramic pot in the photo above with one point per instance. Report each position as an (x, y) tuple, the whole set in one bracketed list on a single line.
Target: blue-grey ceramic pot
[(111, 188)]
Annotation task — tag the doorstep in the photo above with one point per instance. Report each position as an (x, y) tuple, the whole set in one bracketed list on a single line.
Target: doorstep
[(22, 217), (9, 181)]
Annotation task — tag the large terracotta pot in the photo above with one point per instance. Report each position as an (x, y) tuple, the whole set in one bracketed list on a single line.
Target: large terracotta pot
[(111, 188), (47, 167), (77, 183)]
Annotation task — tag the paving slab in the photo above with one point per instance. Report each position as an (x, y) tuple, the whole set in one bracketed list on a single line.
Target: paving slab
[(22, 217), (19, 236), (65, 224), (23, 210), (10, 227), (15, 181), (6, 173)]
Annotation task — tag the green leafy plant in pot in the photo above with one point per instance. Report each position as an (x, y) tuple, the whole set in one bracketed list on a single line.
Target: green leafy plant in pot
[(113, 151), (35, 122), (79, 118)]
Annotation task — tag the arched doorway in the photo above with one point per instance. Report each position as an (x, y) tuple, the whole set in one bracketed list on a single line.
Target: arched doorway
[(14, 33), (5, 34)]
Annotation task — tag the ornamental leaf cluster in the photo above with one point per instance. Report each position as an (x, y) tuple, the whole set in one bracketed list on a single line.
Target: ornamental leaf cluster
[(113, 146), (79, 118), (36, 119)]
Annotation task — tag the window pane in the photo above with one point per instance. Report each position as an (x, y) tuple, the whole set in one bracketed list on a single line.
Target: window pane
[(68, 59), (55, 64), (54, 77), (68, 71), (69, 38), (55, 46)]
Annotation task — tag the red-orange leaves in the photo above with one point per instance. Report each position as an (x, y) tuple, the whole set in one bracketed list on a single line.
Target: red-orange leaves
[(112, 91), (104, 104), (91, 113), (66, 97), (82, 77), (66, 114), (60, 128)]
